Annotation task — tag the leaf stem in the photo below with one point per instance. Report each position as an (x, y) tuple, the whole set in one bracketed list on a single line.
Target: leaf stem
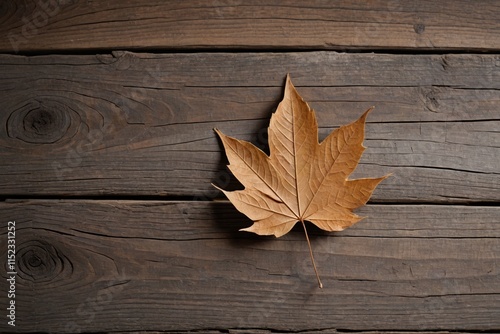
[(312, 257)]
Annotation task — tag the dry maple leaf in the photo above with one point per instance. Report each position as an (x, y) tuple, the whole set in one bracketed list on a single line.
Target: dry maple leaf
[(301, 180)]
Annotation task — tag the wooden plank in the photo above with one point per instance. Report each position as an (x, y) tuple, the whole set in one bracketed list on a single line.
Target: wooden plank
[(51, 25), (152, 265), (137, 124)]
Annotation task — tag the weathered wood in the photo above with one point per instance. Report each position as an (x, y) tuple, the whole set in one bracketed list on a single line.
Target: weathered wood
[(141, 124), (151, 265), (383, 24)]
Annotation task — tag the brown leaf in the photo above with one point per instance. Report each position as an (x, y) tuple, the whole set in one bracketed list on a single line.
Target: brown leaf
[(301, 180)]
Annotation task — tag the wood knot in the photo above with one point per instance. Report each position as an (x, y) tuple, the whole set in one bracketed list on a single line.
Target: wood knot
[(419, 28), (431, 98), (39, 261), (39, 122)]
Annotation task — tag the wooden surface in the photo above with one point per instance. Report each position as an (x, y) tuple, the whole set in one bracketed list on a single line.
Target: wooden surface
[(33, 26), (107, 159), (130, 265), (138, 124)]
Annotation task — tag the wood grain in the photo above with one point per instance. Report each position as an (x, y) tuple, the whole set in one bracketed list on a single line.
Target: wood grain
[(131, 236), (155, 265), (34, 26), (142, 125)]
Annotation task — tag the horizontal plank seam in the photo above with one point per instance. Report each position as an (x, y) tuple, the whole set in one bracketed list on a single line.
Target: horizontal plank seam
[(202, 49), (196, 198)]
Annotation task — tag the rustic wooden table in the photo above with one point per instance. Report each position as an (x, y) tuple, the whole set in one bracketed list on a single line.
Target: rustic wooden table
[(107, 155)]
